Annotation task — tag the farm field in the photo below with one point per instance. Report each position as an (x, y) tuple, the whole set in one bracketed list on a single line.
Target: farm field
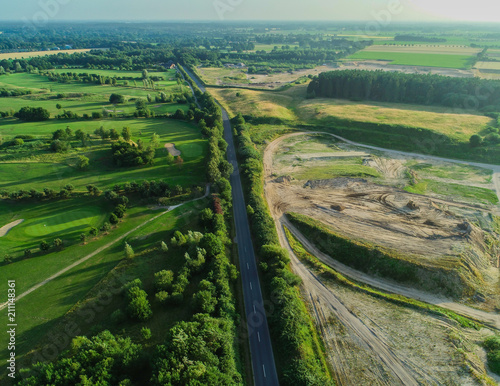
[(439, 119), (488, 66), (420, 48), (415, 59), (35, 54)]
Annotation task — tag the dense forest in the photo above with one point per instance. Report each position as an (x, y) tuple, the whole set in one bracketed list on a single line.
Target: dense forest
[(470, 93)]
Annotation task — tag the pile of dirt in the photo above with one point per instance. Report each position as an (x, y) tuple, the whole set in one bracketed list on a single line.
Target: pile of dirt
[(412, 206), (337, 207), (284, 180)]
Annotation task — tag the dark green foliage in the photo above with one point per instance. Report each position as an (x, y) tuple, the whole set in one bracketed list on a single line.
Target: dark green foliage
[(138, 307), (206, 344), (406, 88), (492, 346), (126, 154), (116, 99), (101, 360), (59, 146), (32, 114)]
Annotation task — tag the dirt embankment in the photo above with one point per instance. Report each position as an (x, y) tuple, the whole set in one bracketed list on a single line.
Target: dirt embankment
[(429, 231)]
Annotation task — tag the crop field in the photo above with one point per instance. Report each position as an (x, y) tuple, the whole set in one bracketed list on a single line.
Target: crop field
[(425, 49), (488, 66), (493, 53), (291, 105), (35, 54), (415, 59)]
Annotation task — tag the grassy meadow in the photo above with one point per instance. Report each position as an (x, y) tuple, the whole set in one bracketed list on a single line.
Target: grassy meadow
[(33, 166), (46, 307)]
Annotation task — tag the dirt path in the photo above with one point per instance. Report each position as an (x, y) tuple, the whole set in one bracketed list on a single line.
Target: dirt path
[(490, 319), (172, 150), (325, 301), (6, 228), (99, 250)]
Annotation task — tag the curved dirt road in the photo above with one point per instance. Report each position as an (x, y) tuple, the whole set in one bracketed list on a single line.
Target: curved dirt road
[(490, 319)]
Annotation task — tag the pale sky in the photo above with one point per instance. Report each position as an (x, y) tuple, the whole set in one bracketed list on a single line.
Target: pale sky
[(369, 10)]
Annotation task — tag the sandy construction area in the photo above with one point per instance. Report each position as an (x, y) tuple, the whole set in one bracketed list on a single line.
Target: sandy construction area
[(172, 150), (6, 228), (435, 230)]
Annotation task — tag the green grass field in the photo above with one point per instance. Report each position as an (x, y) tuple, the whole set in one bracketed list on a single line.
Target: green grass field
[(41, 169), (77, 220), (409, 59), (45, 307)]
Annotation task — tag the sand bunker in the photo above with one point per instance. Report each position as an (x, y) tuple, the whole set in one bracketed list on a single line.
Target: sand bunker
[(172, 150), (6, 228)]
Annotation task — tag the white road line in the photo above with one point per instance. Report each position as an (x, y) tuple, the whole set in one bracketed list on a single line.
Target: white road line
[(258, 335), (251, 285), (248, 267), (254, 311), (263, 368)]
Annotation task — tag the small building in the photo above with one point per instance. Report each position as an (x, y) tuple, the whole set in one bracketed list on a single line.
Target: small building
[(170, 65)]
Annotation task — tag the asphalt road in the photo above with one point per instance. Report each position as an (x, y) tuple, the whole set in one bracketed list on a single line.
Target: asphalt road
[(263, 366)]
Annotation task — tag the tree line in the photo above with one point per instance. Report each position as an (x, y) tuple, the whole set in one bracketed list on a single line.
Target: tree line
[(287, 322), (472, 93)]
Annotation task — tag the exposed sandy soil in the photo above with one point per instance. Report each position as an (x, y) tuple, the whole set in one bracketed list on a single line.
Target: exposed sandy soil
[(6, 228), (222, 77), (374, 212), (172, 150), (369, 341), (431, 232)]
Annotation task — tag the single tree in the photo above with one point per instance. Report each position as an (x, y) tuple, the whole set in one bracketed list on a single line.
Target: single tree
[(82, 163), (44, 246), (57, 243), (126, 134), (129, 252), (113, 219)]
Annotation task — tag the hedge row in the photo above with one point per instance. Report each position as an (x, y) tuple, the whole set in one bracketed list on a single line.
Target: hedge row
[(300, 358)]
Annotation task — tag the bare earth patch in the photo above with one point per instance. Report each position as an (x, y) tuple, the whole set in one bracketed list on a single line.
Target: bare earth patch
[(172, 150), (6, 228)]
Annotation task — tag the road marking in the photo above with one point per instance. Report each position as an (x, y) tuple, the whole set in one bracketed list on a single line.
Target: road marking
[(254, 311), (251, 285), (263, 368), (258, 335), (248, 267)]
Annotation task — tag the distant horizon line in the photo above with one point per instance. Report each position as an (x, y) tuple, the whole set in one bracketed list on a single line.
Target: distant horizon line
[(415, 21)]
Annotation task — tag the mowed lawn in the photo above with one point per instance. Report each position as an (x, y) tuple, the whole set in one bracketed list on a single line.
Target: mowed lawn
[(47, 220), (37, 174), (41, 310), (415, 59)]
